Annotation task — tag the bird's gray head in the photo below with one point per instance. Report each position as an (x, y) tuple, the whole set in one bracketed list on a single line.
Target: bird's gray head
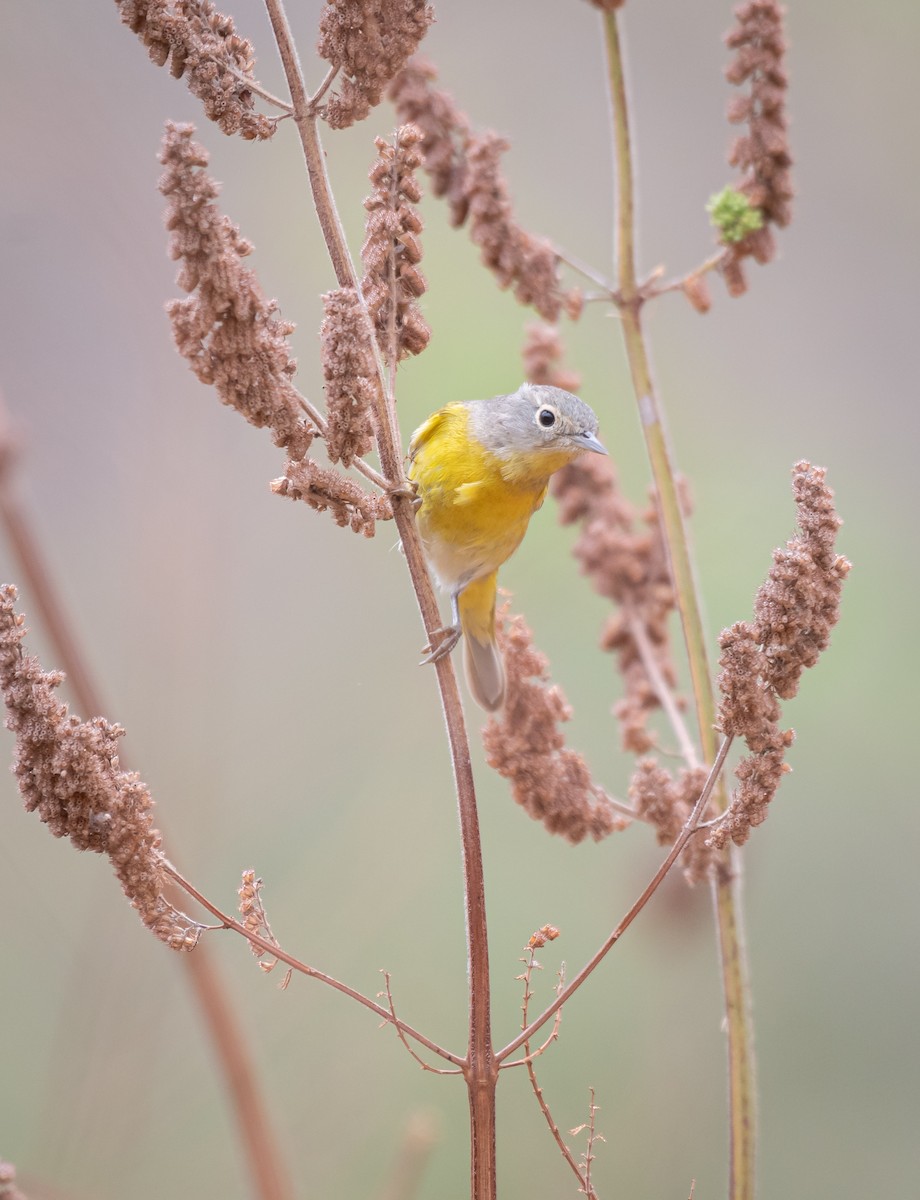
[(535, 417)]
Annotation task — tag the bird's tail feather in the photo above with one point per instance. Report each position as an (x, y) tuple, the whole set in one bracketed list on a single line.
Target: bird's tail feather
[(485, 674)]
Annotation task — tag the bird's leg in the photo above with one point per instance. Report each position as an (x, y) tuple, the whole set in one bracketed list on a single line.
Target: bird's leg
[(407, 491), (449, 635)]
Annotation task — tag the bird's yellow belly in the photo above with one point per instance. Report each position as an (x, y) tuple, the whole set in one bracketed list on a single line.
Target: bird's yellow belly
[(470, 533)]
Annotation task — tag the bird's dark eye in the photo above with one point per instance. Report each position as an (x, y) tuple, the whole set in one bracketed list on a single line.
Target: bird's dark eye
[(546, 417)]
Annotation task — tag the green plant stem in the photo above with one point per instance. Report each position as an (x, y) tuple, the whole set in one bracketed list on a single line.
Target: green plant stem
[(630, 300), (480, 1068)]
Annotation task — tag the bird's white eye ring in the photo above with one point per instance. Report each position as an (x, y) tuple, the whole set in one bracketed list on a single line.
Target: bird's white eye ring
[(546, 417)]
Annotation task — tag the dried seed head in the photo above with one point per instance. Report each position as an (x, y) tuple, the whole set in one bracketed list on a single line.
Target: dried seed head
[(628, 564), (204, 47), (762, 153), (327, 491), (348, 368), (666, 803), (546, 933), (445, 132), (369, 41), (226, 328), (525, 744), (69, 773), (794, 611), (542, 355), (466, 168), (391, 252)]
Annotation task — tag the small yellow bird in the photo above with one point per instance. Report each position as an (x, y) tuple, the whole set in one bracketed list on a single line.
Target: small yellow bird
[(481, 469)]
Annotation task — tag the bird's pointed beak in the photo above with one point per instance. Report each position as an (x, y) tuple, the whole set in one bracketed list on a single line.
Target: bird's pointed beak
[(590, 442)]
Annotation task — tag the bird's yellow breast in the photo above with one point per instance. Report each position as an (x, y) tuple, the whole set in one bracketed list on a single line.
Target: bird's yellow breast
[(475, 506)]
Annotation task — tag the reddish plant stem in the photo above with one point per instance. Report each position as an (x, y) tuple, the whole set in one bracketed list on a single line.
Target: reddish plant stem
[(269, 1174), (480, 1067), (275, 951), (691, 826)]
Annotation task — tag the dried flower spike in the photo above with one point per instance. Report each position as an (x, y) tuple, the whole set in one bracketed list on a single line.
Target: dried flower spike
[(762, 154), (392, 250), (524, 744), (327, 491), (226, 328), (542, 354), (369, 41), (629, 566), (348, 369), (252, 914), (761, 662), (466, 168), (204, 47), (69, 773), (445, 132), (666, 803), (546, 933)]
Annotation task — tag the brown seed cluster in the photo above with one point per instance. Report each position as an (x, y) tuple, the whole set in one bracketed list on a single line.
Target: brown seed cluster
[(201, 44), (627, 563), (369, 41), (327, 491), (666, 802), (466, 168), (546, 933), (226, 328), (762, 154), (542, 354), (255, 921), (392, 249), (69, 773), (348, 369), (525, 745), (762, 661)]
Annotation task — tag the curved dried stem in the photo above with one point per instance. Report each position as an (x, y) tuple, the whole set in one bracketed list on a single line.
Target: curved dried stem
[(402, 1037), (528, 1060), (370, 473), (663, 692), (652, 288), (691, 826), (272, 948)]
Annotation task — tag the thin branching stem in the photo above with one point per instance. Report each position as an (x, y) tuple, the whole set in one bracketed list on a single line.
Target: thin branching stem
[(405, 1041), (691, 826), (726, 882), (653, 288), (273, 949), (370, 473), (323, 88), (481, 1070), (258, 89), (663, 693), (528, 1060)]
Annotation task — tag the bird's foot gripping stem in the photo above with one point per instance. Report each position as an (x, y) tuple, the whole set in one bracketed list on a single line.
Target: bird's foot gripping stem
[(449, 635)]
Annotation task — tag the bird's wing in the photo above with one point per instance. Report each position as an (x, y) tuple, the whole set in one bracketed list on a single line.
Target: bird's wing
[(427, 431)]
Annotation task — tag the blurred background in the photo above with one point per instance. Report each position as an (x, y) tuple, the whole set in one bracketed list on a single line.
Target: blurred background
[(264, 661)]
